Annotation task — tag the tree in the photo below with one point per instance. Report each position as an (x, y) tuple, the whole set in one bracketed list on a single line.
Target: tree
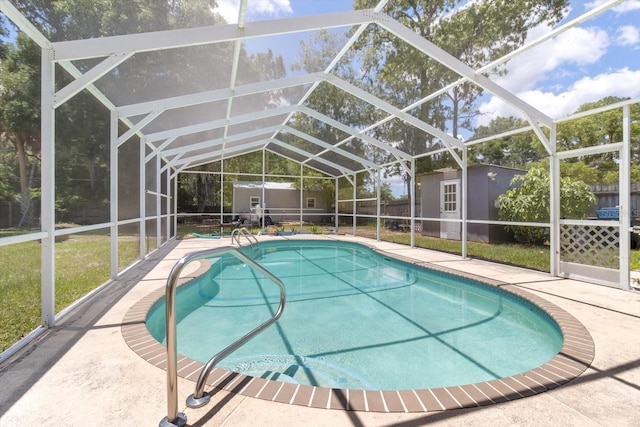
[(613, 177), (514, 151), (316, 54), (386, 193), (20, 111), (476, 33), (600, 129), (82, 123), (9, 176), (528, 201)]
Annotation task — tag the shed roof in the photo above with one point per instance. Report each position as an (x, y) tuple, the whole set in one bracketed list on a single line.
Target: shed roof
[(269, 185)]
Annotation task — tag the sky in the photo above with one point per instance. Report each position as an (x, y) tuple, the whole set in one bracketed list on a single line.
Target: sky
[(595, 59)]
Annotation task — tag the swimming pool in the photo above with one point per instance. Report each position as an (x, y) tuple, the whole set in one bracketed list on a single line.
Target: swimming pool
[(358, 320)]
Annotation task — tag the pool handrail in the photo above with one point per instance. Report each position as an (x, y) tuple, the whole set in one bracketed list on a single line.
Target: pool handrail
[(199, 397), (235, 235)]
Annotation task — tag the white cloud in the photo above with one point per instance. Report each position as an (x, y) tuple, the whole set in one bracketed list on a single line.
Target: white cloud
[(580, 46), (531, 75), (628, 35), (270, 7), (622, 83), (625, 6), (261, 8)]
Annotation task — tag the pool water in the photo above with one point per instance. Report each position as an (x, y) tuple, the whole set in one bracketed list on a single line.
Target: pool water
[(357, 319)]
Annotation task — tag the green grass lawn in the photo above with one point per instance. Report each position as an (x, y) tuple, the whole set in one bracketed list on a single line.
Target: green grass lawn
[(533, 257), (82, 264)]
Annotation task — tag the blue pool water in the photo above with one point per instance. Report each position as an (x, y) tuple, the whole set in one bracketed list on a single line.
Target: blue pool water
[(356, 319)]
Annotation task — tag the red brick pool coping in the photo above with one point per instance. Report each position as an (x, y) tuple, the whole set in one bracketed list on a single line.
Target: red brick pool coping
[(574, 358)]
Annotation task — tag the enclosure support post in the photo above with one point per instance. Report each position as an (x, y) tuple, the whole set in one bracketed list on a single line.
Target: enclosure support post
[(158, 204), (355, 203), (335, 205), (378, 185), (464, 200), (113, 190), (47, 198), (625, 199), (168, 205), (264, 202), (143, 200), (554, 206), (301, 195), (175, 205), (222, 194), (412, 200)]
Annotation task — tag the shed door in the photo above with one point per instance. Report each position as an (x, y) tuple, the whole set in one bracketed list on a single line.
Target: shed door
[(450, 209)]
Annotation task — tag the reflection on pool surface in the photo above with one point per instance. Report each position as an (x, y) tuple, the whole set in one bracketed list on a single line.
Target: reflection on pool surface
[(356, 319)]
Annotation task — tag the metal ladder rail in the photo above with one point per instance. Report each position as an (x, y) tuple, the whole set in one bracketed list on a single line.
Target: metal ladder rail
[(235, 236), (199, 397), (236, 233), (247, 234)]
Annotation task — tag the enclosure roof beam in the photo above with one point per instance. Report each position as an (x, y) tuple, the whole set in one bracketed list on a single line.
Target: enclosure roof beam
[(580, 19), (327, 146), (172, 161), (541, 136), (137, 127), (217, 95), (356, 134), (160, 147), (454, 64), (343, 51), (221, 94), (236, 60), (217, 152), (216, 124), (267, 113), (309, 155), (385, 106), (597, 110), (498, 136), (590, 151), (239, 153), (218, 141), (324, 172), (101, 97), (24, 24), (242, 13), (88, 78), (528, 46), (264, 131), (170, 39), (404, 110), (28, 28)]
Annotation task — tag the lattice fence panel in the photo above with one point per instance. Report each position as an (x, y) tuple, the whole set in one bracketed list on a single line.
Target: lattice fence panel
[(596, 245)]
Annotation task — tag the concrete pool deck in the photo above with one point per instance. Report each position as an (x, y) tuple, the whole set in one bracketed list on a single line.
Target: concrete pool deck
[(82, 373)]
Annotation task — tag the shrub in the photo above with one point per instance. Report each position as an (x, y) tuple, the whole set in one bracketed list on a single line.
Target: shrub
[(528, 201)]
